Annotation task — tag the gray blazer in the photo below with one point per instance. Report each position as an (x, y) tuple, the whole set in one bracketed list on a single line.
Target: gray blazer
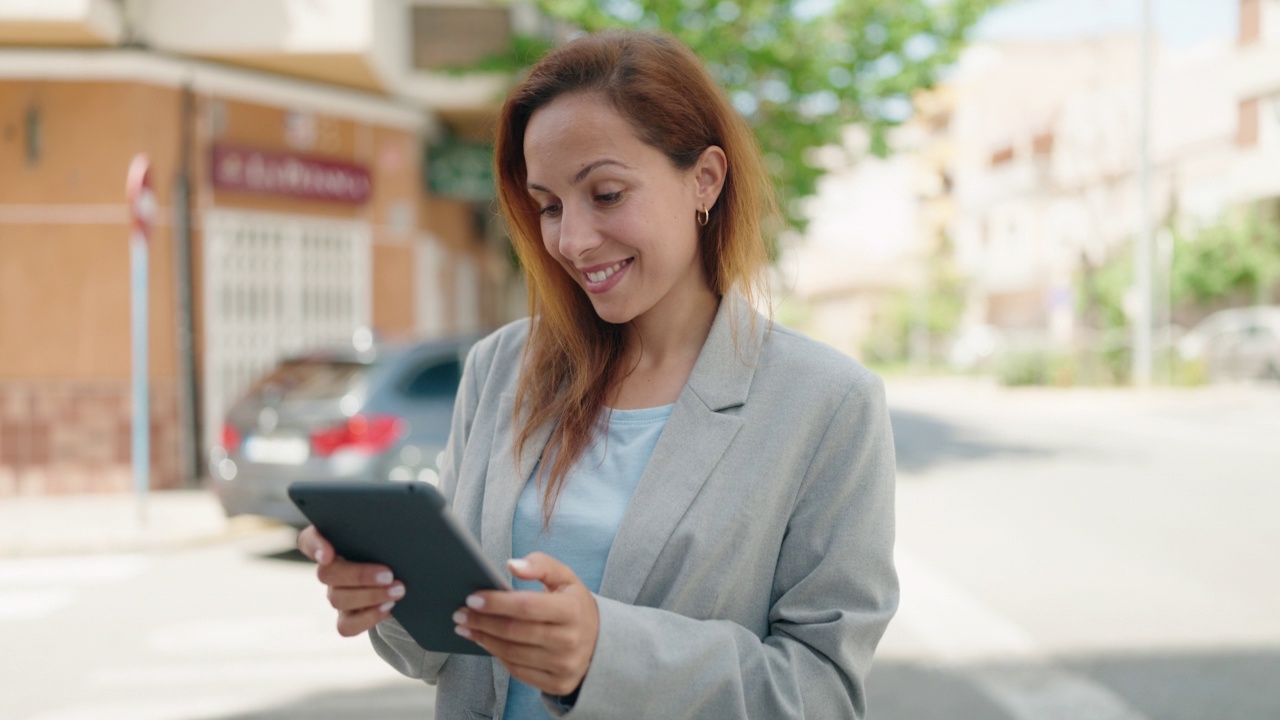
[(752, 575)]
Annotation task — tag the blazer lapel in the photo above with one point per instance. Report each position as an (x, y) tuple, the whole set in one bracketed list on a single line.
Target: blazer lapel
[(696, 436), (505, 481)]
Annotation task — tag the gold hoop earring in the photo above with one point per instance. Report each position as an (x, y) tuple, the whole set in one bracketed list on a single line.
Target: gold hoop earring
[(703, 216)]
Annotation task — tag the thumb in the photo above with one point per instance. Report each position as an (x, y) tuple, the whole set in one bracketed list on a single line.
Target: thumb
[(312, 544), (543, 568)]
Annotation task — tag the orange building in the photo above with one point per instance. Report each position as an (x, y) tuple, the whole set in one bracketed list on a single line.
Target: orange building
[(291, 212)]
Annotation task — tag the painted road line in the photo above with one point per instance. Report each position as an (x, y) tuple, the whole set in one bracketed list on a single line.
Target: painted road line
[(255, 636), (73, 571), (32, 604), (972, 640), (331, 672), (182, 708)]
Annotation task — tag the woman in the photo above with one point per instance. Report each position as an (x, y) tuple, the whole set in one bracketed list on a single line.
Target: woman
[(700, 503)]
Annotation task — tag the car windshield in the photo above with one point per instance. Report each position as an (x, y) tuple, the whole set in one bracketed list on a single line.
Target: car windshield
[(311, 380)]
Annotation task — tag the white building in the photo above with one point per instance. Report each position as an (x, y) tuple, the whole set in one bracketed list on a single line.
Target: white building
[(1257, 91), (1047, 159), (862, 246)]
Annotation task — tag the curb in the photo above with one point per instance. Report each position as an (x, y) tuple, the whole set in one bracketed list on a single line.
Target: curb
[(87, 524)]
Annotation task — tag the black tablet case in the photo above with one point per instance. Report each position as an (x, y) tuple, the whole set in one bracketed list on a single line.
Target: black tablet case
[(407, 527)]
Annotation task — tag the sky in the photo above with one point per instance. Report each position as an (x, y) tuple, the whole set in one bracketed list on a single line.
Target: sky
[(1182, 23)]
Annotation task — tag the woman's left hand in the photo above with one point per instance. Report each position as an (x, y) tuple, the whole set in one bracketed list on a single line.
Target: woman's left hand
[(544, 639)]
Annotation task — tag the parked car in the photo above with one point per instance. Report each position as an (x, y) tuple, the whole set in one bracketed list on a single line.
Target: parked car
[(974, 347), (1237, 344), (381, 414)]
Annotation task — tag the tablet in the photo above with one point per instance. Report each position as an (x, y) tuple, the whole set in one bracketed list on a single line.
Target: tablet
[(407, 527)]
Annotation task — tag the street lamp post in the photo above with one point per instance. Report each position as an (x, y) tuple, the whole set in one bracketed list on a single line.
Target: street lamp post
[(1142, 271)]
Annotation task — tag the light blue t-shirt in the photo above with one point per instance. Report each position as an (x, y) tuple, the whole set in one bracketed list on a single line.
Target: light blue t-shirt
[(590, 508)]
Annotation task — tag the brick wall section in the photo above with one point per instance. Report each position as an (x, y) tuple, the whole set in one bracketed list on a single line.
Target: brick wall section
[(76, 437)]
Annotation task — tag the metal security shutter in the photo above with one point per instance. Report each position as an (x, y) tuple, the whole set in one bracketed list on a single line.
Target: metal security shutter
[(276, 285)]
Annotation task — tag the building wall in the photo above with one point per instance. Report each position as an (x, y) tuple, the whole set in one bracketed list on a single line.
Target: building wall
[(393, 212), (393, 280), (64, 228), (65, 285), (1257, 82), (65, 395)]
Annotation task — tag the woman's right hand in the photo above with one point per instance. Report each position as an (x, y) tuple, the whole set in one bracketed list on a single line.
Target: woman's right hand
[(362, 593)]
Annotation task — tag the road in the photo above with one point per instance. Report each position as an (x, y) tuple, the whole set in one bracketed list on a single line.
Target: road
[(236, 631), (1085, 554), (1065, 555)]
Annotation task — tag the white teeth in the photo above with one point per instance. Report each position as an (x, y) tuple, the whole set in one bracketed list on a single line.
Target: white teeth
[(604, 274)]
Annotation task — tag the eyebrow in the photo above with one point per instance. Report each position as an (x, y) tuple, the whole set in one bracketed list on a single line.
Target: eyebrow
[(583, 173)]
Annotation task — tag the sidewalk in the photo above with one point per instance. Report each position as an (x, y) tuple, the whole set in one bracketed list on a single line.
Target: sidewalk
[(77, 524)]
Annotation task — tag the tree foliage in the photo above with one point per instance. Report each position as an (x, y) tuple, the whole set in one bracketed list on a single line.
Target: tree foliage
[(799, 70), (1236, 259), (1231, 262)]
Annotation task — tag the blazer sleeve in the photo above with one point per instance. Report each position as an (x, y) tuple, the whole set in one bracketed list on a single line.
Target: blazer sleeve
[(835, 589), (390, 640)]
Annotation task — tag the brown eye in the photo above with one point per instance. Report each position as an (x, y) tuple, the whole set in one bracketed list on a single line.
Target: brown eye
[(609, 198)]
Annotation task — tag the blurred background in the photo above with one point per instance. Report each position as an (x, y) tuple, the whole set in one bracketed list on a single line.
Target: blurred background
[(1053, 226)]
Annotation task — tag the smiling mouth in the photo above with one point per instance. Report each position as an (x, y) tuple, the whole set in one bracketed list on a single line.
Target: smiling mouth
[(600, 276)]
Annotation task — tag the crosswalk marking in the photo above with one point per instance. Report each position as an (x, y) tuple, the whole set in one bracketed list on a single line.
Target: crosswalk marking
[(31, 604), (77, 571), (333, 671), (995, 654), (32, 588), (194, 656), (187, 707), (247, 636)]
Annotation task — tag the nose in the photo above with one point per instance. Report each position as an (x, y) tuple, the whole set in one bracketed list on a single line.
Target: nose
[(578, 234)]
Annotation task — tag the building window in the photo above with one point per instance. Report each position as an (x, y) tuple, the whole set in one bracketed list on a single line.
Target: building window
[(1250, 21), (1247, 128), (458, 37), (1042, 144)]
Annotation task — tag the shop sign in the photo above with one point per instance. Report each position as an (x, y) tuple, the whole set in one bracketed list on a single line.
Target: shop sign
[(274, 173), (460, 170)]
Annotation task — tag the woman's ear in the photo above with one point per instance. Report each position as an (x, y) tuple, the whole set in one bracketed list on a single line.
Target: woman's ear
[(708, 175)]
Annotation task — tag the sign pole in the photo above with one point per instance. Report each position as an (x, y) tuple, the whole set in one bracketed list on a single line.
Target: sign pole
[(142, 208)]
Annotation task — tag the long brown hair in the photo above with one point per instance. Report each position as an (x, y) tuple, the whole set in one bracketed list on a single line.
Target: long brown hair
[(572, 358)]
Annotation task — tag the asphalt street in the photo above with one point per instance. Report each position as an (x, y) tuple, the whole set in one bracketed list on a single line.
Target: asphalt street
[(1082, 555)]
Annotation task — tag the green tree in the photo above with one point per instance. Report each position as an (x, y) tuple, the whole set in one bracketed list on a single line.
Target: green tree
[(1233, 261), (801, 71)]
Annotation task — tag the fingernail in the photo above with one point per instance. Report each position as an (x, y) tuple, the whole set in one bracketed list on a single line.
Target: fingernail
[(518, 564), (463, 632), (386, 607), (396, 591), (460, 618), (475, 602), (383, 578), (320, 556)]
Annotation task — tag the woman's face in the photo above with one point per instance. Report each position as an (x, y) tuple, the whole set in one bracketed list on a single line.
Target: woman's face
[(615, 212)]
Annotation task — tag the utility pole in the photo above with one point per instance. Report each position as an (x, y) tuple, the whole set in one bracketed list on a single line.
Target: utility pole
[(1142, 260)]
